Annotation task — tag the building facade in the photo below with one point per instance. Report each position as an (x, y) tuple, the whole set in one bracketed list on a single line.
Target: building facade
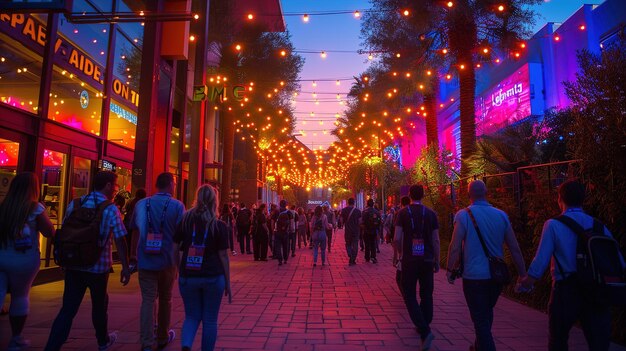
[(513, 89), (107, 85)]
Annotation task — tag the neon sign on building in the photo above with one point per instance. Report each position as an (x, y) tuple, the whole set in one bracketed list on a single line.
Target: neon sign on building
[(505, 103)]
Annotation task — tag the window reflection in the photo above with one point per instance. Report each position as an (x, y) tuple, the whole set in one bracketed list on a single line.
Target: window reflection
[(20, 75)]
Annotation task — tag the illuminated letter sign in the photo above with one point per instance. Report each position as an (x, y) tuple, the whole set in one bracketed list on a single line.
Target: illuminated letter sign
[(239, 92), (199, 92), (505, 103)]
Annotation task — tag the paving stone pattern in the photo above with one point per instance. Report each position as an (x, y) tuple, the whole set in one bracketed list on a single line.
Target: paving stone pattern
[(298, 307)]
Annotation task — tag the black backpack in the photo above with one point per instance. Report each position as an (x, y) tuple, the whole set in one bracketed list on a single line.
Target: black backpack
[(373, 220), (283, 221), (599, 269), (243, 217), (77, 243)]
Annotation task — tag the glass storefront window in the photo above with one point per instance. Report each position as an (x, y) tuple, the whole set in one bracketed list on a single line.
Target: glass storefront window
[(9, 151), (53, 184), (127, 63), (74, 103), (81, 175), (92, 39), (20, 75), (124, 179), (122, 125), (133, 30)]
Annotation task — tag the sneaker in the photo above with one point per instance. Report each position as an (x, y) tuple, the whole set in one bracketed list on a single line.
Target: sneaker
[(18, 343), (427, 342), (171, 335), (374, 260), (314, 264), (280, 263), (112, 339), (132, 268), (234, 253)]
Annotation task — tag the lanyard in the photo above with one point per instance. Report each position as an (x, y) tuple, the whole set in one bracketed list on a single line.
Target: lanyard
[(193, 234), (411, 216), (162, 214)]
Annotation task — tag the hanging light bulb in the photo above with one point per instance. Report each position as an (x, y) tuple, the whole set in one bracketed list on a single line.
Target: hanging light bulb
[(370, 57), (305, 18), (323, 54), (357, 14), (406, 12), (338, 82), (314, 83)]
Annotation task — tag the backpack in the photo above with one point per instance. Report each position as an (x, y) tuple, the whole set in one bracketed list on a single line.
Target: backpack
[(77, 243), (319, 225), (243, 217), (373, 220), (283, 222), (599, 269)]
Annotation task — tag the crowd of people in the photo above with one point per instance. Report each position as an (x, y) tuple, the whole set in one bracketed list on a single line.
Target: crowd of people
[(164, 243)]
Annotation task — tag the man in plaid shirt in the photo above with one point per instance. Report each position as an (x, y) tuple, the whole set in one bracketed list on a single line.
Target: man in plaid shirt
[(95, 278)]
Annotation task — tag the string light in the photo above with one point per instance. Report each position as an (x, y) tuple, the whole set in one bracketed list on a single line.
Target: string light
[(305, 18), (323, 54), (406, 12), (450, 4), (357, 14), (250, 16)]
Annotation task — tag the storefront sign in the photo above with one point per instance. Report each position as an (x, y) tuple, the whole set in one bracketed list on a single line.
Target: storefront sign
[(199, 92), (107, 165), (32, 33), (123, 113), (505, 103)]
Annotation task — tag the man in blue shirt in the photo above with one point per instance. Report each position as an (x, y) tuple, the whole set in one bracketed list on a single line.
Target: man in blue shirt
[(95, 278), (155, 219), (567, 305), (481, 293)]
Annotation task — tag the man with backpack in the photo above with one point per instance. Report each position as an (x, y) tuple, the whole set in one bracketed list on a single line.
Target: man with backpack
[(88, 261), (281, 233), (244, 221), (586, 264), (351, 217), (480, 231), (416, 241), (154, 221), (371, 225)]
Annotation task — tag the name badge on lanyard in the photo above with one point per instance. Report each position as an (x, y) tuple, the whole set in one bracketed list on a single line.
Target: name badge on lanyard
[(417, 244), (195, 254), (154, 240), (417, 247)]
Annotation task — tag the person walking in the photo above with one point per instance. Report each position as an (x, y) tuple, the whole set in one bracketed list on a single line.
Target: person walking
[(155, 220), (95, 278), (351, 217), (244, 220), (330, 216), (281, 233), (480, 230), (22, 218), (302, 228), (204, 270), (261, 233), (569, 301), (417, 243), (371, 226), (319, 223), (293, 234), (227, 217), (130, 209)]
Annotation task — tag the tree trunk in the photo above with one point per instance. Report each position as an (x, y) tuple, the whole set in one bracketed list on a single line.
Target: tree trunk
[(227, 164), (462, 33), (430, 104)]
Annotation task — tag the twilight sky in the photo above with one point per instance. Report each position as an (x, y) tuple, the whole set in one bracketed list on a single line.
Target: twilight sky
[(342, 32)]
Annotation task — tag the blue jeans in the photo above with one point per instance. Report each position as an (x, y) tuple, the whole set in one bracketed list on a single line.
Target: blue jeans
[(481, 297), (202, 297), (319, 242)]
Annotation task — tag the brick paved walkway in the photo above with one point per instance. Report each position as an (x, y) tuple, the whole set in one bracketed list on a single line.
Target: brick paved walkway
[(298, 307)]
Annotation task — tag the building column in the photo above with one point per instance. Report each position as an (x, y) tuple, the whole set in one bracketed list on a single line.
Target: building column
[(200, 30), (146, 145)]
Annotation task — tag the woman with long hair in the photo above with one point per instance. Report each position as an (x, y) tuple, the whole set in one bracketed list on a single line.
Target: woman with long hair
[(227, 217), (260, 233), (319, 222), (22, 218), (302, 221), (204, 270)]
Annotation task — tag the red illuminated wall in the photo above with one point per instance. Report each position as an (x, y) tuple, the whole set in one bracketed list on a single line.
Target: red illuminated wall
[(505, 103)]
